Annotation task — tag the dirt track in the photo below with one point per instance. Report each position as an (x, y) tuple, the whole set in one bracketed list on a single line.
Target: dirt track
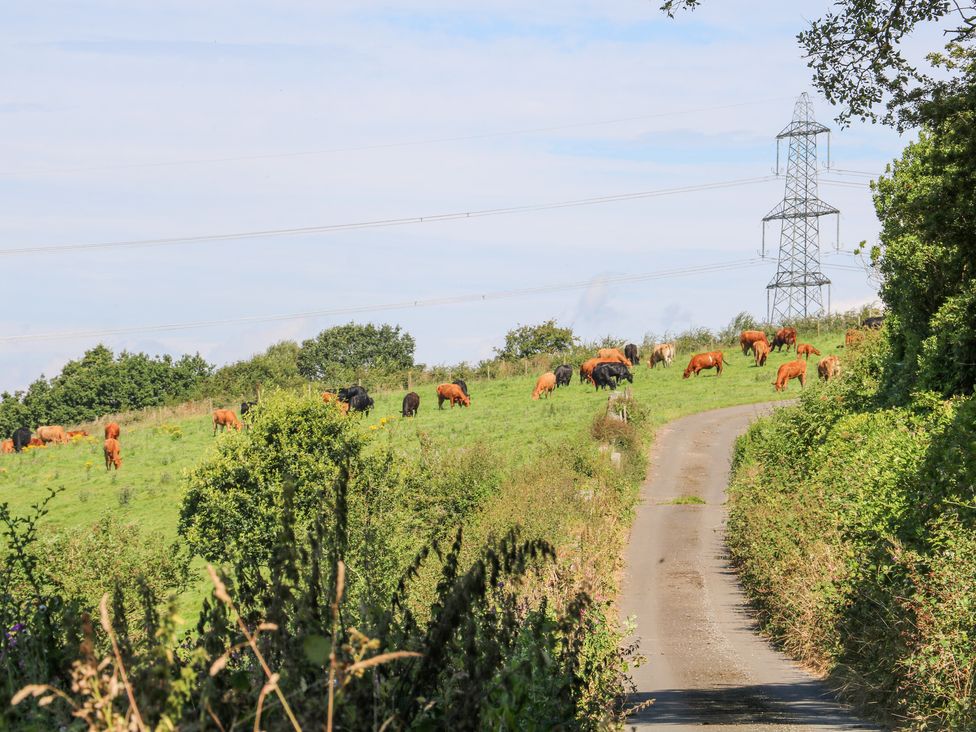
[(706, 666)]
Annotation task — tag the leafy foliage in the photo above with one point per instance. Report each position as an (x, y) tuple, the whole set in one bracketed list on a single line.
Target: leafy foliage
[(527, 341), (353, 346), (858, 62), (100, 383), (276, 368)]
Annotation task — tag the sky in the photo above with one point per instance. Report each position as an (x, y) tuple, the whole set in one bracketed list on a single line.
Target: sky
[(128, 121)]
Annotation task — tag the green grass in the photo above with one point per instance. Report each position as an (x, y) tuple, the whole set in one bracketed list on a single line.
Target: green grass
[(687, 501), (148, 488)]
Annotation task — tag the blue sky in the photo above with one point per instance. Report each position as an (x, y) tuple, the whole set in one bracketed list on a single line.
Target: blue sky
[(104, 106)]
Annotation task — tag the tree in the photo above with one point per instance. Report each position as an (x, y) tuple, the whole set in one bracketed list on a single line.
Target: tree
[(927, 256), (353, 346), (277, 367), (857, 58), (526, 341)]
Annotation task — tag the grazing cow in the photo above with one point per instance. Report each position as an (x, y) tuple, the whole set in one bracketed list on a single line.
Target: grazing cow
[(564, 374), (225, 418), (630, 351), (346, 395), (828, 368), (464, 387), (328, 396), (791, 370), (112, 431), (586, 369), (760, 349), (411, 404), (53, 434), (113, 454), (76, 433), (853, 337), (662, 353), (873, 323), (7, 446), (545, 385), (749, 337), (36, 442), (610, 374), (784, 337), (247, 407), (453, 394), (21, 438), (614, 354), (805, 349), (361, 403), (701, 361)]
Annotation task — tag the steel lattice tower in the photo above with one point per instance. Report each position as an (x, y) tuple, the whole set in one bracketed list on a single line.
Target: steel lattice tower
[(796, 290)]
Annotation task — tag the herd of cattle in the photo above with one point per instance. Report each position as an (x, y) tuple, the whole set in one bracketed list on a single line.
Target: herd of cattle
[(605, 370)]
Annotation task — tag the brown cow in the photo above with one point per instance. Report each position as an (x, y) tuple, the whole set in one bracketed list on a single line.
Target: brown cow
[(328, 396), (76, 433), (750, 337), (828, 368), (784, 337), (853, 337), (807, 350), (701, 361), (113, 453), (614, 355), (112, 431), (6, 447), (453, 393), (225, 418), (761, 349), (662, 353), (36, 442), (791, 370), (586, 368), (54, 434), (545, 385)]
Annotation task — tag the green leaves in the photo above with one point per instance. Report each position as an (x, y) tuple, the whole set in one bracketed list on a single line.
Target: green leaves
[(526, 341), (353, 346), (317, 649)]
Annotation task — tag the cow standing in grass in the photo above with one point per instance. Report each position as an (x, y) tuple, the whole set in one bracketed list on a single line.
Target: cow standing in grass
[(784, 337), (453, 394), (112, 431), (791, 370), (21, 438), (806, 350), (546, 384), (760, 349), (225, 418), (411, 404), (113, 454), (630, 351), (54, 433), (564, 374), (702, 361), (662, 353), (749, 338), (828, 368)]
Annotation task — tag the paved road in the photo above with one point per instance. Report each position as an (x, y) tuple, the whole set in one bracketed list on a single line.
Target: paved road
[(706, 666)]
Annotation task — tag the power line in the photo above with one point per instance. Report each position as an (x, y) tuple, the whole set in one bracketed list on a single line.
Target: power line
[(383, 223), (402, 305), (384, 146)]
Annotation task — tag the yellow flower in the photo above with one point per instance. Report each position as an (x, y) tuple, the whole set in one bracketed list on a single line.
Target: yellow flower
[(373, 427)]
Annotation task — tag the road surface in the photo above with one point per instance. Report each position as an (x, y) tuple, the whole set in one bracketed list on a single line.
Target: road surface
[(706, 667)]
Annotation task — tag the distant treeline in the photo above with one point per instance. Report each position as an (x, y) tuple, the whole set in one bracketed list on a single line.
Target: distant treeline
[(380, 357)]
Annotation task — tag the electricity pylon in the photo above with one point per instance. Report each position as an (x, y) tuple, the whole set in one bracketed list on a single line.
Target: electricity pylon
[(796, 290)]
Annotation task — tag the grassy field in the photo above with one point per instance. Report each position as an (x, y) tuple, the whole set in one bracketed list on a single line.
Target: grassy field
[(156, 450)]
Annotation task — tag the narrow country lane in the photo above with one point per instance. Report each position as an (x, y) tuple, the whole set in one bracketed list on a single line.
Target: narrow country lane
[(706, 666)]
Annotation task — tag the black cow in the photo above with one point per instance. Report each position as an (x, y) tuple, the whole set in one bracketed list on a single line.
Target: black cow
[(564, 375), (630, 351), (247, 407), (22, 438), (360, 403), (411, 404), (346, 395), (464, 387), (874, 323), (610, 374)]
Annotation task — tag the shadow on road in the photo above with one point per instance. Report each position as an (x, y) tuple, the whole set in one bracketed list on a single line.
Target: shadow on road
[(802, 703)]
